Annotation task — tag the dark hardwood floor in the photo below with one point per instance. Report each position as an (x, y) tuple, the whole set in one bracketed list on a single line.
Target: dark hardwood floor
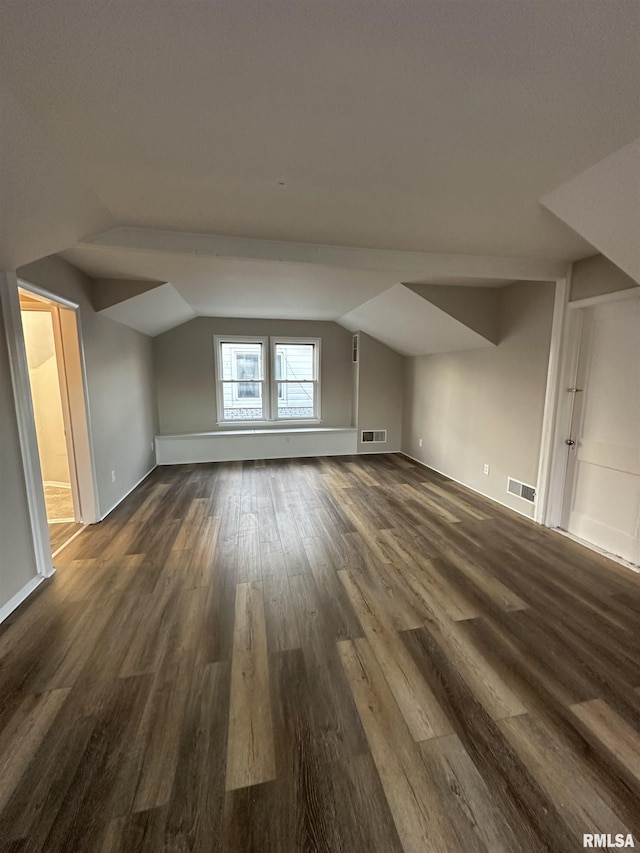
[(320, 655), (61, 532)]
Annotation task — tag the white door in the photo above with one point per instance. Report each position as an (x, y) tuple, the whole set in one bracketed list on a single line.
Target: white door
[(602, 495)]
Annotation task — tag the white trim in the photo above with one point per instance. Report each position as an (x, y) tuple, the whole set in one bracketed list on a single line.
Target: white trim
[(554, 471), (83, 435), (466, 485), (126, 495), (26, 422), (355, 376), (15, 602), (46, 295), (592, 547), (90, 503), (218, 340), (268, 381), (614, 296), (548, 436), (69, 540), (316, 382), (51, 521)]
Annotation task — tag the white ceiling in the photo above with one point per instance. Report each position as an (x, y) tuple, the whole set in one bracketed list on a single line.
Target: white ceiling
[(423, 132), (421, 124)]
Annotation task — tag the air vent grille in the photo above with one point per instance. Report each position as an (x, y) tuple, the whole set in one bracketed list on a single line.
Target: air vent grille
[(354, 350), (521, 490), (376, 435)]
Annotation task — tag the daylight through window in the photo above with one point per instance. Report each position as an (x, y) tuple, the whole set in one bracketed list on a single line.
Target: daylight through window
[(256, 382)]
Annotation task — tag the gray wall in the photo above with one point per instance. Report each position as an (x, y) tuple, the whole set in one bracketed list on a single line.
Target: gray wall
[(120, 383), (17, 559), (485, 405), (380, 393), (597, 275), (185, 375)]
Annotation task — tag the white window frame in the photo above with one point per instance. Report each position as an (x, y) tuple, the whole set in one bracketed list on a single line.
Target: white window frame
[(316, 343), (220, 382), (269, 382)]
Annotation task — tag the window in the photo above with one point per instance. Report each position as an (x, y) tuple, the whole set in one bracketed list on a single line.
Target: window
[(241, 382), (258, 383), (295, 379)]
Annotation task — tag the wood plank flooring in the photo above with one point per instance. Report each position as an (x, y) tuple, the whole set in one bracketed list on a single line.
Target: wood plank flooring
[(347, 654), (61, 532)]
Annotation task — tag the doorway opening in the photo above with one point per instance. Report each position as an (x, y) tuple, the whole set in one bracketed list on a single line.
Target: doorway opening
[(46, 326)]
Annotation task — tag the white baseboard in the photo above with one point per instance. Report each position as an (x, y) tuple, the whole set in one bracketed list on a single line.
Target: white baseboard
[(467, 486), (7, 609), (126, 495)]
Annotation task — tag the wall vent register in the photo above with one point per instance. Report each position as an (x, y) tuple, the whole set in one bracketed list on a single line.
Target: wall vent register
[(354, 350), (378, 436), (521, 490)]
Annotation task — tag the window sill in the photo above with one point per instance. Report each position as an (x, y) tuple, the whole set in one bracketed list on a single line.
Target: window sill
[(268, 425), (258, 431)]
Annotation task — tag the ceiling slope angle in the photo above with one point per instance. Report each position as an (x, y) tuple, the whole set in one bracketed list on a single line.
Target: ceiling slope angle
[(412, 325), (151, 307), (476, 307), (602, 205)]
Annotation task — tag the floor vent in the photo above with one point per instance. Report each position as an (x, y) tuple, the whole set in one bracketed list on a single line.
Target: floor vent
[(521, 490), (377, 435)]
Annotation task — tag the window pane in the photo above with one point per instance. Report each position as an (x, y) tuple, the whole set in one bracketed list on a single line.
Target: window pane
[(295, 400), (295, 362), (241, 360), (248, 390), (238, 406)]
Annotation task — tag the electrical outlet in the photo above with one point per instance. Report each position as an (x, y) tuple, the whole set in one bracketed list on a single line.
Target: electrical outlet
[(419, 442), (113, 476), (487, 467)]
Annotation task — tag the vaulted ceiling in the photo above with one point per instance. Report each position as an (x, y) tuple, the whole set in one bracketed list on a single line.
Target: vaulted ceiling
[(410, 127)]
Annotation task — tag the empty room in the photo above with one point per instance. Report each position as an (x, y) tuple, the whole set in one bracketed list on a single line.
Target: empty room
[(320, 426)]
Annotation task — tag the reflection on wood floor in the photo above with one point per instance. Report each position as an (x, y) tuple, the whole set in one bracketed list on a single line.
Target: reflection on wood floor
[(60, 515), (347, 654)]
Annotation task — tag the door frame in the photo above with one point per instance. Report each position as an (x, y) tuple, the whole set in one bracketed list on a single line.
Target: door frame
[(53, 309), (76, 379), (555, 469)]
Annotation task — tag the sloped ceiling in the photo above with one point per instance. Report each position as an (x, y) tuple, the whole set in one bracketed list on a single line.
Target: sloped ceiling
[(476, 307), (152, 312), (411, 324), (602, 204), (425, 132), (214, 276)]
